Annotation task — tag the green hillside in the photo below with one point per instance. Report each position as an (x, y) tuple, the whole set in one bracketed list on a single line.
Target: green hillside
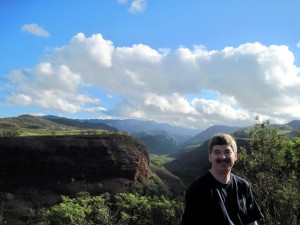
[(28, 125), (30, 122), (158, 142), (79, 123)]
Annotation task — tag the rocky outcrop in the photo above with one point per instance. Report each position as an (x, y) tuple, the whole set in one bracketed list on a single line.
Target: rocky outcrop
[(48, 160)]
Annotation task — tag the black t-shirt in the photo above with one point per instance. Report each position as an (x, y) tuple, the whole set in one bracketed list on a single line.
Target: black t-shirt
[(210, 202)]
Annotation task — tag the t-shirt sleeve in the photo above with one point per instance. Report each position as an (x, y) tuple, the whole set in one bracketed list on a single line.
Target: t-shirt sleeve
[(195, 207), (253, 211), (189, 217)]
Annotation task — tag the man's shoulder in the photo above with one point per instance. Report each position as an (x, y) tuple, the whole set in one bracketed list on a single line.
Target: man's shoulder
[(202, 180), (239, 180), (200, 186)]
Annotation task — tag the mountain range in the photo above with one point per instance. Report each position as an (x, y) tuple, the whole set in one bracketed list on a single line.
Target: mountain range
[(159, 138)]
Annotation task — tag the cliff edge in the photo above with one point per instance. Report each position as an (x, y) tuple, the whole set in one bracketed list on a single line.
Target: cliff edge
[(49, 161)]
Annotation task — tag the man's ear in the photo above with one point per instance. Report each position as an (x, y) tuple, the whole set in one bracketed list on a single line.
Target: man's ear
[(209, 157)]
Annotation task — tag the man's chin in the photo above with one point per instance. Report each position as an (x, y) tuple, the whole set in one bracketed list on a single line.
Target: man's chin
[(225, 167)]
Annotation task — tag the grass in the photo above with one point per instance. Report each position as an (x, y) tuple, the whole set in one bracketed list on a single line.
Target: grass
[(47, 132), (160, 160)]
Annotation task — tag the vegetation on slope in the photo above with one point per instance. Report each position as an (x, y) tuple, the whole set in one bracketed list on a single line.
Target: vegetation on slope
[(27, 125), (30, 122), (79, 123), (158, 142), (126, 209), (272, 166)]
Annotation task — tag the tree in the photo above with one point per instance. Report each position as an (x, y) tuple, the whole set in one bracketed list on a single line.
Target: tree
[(271, 165)]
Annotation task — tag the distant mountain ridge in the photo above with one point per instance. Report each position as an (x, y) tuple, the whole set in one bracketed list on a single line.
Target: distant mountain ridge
[(159, 138), (135, 126), (158, 142), (208, 133), (295, 124), (79, 123)]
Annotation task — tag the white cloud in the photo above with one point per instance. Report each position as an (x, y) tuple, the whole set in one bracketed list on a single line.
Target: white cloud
[(219, 111), (298, 44), (35, 29), (138, 6), (50, 88), (94, 110), (170, 104), (250, 79), (83, 99), (21, 99)]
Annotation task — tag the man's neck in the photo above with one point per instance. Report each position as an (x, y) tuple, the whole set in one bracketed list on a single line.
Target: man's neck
[(221, 177)]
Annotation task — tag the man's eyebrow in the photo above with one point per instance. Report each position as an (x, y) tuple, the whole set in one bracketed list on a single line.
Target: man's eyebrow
[(226, 149)]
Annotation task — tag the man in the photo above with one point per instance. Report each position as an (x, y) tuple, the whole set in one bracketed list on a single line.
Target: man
[(220, 197)]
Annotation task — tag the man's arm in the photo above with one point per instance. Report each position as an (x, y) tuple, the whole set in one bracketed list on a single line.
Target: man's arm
[(253, 223), (196, 205)]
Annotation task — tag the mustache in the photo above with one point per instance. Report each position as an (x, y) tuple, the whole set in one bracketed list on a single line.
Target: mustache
[(223, 161)]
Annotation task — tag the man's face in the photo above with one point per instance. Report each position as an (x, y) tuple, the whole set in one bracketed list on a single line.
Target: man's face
[(222, 158)]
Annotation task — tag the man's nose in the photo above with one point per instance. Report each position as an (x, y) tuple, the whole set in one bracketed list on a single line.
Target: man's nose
[(223, 156)]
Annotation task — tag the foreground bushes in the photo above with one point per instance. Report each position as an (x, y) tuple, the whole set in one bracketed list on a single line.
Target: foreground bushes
[(80, 211), (124, 209), (271, 165)]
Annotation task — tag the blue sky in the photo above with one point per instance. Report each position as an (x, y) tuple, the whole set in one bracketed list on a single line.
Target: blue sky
[(189, 63)]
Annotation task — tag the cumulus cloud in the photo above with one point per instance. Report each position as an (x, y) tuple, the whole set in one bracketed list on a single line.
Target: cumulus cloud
[(218, 111), (50, 87), (170, 104), (35, 29), (251, 79)]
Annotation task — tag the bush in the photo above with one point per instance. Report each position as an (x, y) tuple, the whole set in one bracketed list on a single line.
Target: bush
[(9, 133), (272, 168), (80, 211), (127, 209), (136, 210)]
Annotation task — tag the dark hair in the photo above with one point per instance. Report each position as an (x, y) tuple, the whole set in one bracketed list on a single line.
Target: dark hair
[(222, 139)]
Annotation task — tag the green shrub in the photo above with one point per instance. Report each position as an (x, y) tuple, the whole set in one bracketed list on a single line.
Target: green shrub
[(80, 211), (126, 209), (272, 168), (136, 210)]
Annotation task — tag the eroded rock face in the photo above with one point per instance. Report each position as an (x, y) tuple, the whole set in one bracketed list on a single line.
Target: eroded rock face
[(40, 161)]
